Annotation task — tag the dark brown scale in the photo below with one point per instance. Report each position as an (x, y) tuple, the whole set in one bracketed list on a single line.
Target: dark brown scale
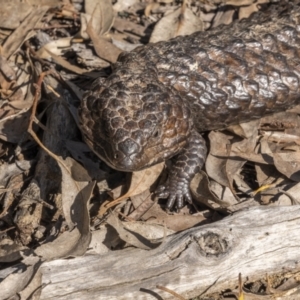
[(159, 97)]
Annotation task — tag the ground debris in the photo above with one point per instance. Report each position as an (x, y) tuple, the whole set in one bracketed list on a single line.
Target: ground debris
[(57, 199)]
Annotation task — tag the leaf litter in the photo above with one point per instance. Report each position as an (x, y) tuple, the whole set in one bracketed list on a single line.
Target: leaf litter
[(58, 199)]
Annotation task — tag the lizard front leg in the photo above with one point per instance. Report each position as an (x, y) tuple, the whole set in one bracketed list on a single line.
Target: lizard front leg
[(186, 164)]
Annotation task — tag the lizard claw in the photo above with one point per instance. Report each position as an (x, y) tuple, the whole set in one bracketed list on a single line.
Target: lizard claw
[(177, 193)]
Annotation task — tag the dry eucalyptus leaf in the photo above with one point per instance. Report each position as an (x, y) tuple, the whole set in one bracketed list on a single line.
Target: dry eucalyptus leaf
[(150, 231), (56, 47), (280, 137), (17, 280), (245, 130), (100, 13), (124, 4), (17, 12), (103, 48), (247, 145), (13, 127), (142, 203), (234, 163), (223, 17), (151, 7), (10, 251), (178, 222), (124, 46), (223, 193), (140, 181), (75, 197), (103, 240), (288, 164), (67, 65), (265, 173), (247, 11), (143, 180), (51, 3), (179, 22), (130, 236), (201, 192), (125, 26), (16, 39), (80, 152), (232, 2), (11, 89), (9, 170), (276, 197), (87, 58), (263, 156), (216, 160), (7, 68)]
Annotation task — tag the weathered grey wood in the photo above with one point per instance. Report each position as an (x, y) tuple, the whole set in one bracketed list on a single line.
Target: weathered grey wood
[(200, 260)]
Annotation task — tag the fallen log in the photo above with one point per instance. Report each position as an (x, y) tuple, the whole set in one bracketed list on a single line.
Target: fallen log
[(198, 261)]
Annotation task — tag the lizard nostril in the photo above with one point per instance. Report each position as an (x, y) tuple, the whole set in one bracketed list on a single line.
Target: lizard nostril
[(116, 156)]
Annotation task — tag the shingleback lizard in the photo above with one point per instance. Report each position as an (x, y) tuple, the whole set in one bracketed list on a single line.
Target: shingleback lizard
[(160, 97)]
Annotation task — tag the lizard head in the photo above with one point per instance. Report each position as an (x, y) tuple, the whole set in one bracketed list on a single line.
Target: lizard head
[(134, 122)]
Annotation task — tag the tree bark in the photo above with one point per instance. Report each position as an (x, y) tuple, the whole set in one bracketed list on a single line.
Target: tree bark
[(202, 260)]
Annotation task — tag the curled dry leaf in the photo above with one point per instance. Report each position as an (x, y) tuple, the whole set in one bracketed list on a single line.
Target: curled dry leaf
[(177, 222), (245, 130), (56, 47), (103, 240), (103, 48), (143, 180), (200, 189), (17, 12), (130, 236), (16, 101), (13, 127), (140, 181), (9, 170), (179, 22), (278, 137), (75, 197), (10, 251), (124, 4), (100, 13), (288, 164), (227, 156), (18, 278), (216, 160), (247, 11), (16, 39), (223, 17), (80, 151)]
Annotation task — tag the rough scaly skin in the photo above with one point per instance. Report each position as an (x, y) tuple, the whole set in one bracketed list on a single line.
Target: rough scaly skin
[(160, 96)]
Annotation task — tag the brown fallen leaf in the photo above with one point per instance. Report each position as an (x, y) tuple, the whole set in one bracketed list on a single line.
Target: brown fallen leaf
[(16, 39), (180, 22), (100, 14), (17, 12), (140, 181), (16, 281), (247, 11), (223, 17), (175, 222), (201, 192), (132, 236), (75, 196), (288, 164), (103, 48)]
